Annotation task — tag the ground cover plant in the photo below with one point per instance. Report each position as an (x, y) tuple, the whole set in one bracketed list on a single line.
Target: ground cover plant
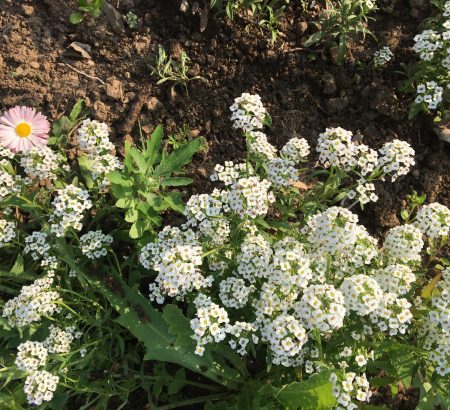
[(156, 255), (257, 291)]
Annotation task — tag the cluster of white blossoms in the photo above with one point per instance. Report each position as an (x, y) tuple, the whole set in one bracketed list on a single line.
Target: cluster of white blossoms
[(241, 334), (59, 340), (234, 293), (31, 356), (352, 387), (336, 148), (321, 307), (440, 315), (176, 257), (249, 197), (395, 278), (286, 337), (296, 150), (404, 243), (33, 302), (362, 294), (433, 220), (7, 232), (281, 172), (69, 208), (94, 244), (40, 386), (382, 57), (433, 48), (93, 139), (229, 173), (254, 259), (37, 245), (209, 325), (9, 184), (248, 112), (5, 155), (429, 93), (392, 314), (41, 163), (260, 147)]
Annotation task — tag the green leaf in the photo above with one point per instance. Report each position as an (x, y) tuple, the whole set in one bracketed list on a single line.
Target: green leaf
[(137, 229), (174, 201), (131, 215), (139, 160), (315, 38), (76, 111), (18, 267), (85, 169), (312, 394), (76, 18), (117, 178), (150, 327), (175, 181), (178, 158), (152, 150)]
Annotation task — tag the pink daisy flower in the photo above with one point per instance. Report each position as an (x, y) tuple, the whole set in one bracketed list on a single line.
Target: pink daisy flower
[(22, 128)]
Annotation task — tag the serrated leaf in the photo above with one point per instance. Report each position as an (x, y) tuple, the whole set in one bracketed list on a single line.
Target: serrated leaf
[(117, 178), (152, 151), (178, 158)]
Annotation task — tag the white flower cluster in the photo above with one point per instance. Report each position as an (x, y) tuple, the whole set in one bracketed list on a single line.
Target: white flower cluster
[(426, 43), (392, 314), (286, 337), (40, 386), (336, 148), (395, 278), (176, 257), (352, 387), (397, 158), (7, 232), (321, 307), (205, 212), (5, 155), (230, 172), (362, 294), (249, 196), (382, 57), (433, 220), (93, 138), (403, 243), (31, 356), (9, 185), (37, 245), (281, 172), (33, 302), (241, 333), (69, 207), (440, 315), (254, 258), (259, 146), (59, 340), (429, 93), (248, 112), (209, 325), (94, 244), (234, 293), (296, 150), (41, 163)]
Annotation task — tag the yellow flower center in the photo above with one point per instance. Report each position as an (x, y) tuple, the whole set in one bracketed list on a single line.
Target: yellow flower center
[(23, 130)]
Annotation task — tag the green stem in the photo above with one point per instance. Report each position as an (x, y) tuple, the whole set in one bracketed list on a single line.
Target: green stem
[(195, 401)]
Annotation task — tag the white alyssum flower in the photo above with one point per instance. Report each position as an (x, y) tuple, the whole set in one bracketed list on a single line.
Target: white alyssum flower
[(209, 325), (94, 244), (321, 307), (286, 337), (249, 196), (295, 150), (260, 146), (392, 315), (7, 232), (248, 112), (40, 386), (37, 245), (395, 278), (404, 243), (229, 173), (59, 340), (69, 207), (255, 257), (102, 165), (241, 334), (234, 293), (351, 387), (9, 185), (440, 314), (33, 302), (93, 137), (362, 294), (31, 356), (430, 93), (433, 220), (397, 158), (176, 256), (382, 57), (41, 162), (281, 172)]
